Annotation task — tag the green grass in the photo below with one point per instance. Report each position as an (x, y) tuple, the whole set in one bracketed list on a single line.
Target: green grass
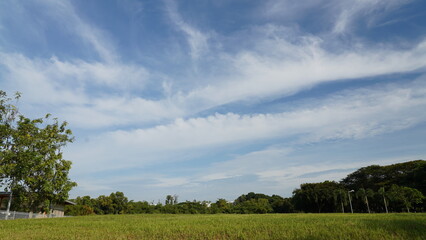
[(269, 226)]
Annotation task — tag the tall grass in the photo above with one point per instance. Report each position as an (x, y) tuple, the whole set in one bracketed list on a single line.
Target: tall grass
[(269, 226)]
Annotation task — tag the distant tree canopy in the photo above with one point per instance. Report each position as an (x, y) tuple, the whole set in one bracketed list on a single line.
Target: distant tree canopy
[(316, 197), (409, 174), (375, 189), (273, 203), (255, 203), (31, 162)]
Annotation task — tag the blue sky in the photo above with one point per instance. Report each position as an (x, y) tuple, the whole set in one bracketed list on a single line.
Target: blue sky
[(214, 99)]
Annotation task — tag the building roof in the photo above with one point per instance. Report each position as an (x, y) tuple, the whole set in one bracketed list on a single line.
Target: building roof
[(4, 194), (68, 202), (7, 194)]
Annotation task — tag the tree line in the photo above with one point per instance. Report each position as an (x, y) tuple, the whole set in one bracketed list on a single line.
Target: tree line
[(379, 189), (117, 203)]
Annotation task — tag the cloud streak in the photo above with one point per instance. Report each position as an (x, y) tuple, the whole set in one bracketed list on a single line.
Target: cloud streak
[(348, 115), (340, 16), (197, 40), (65, 13), (275, 66), (292, 68)]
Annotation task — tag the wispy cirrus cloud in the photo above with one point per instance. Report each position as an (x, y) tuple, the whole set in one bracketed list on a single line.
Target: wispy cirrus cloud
[(294, 67), (291, 69), (52, 76), (350, 11), (197, 40), (274, 65), (65, 13), (87, 94), (339, 16)]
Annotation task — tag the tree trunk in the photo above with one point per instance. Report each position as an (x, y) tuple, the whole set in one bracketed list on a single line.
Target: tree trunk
[(8, 205), (368, 207), (386, 206)]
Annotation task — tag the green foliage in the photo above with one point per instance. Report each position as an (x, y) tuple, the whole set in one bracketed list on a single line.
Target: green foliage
[(404, 196), (316, 197), (79, 210), (340, 197), (363, 195), (377, 189), (409, 174), (139, 207), (281, 205), (221, 206), (117, 203), (31, 162), (260, 205), (170, 200)]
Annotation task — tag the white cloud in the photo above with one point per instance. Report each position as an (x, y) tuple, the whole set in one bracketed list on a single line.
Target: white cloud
[(76, 89), (289, 9), (115, 75), (64, 13), (36, 79), (247, 164), (55, 81), (293, 67), (197, 40), (170, 182), (373, 10), (280, 62), (350, 115), (119, 111), (338, 15)]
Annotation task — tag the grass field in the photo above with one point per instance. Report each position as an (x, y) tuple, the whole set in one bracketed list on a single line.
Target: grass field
[(269, 226)]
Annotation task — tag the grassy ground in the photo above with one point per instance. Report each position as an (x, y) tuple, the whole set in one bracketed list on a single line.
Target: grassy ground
[(270, 226)]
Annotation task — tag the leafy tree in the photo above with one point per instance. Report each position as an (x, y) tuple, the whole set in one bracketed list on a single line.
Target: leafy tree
[(31, 161), (170, 208), (406, 196), (409, 174), (249, 196), (194, 207), (119, 202), (104, 205), (78, 210), (281, 205), (170, 200), (382, 192), (364, 195), (254, 205), (8, 114), (340, 198), (316, 197), (221, 206), (278, 203), (139, 207)]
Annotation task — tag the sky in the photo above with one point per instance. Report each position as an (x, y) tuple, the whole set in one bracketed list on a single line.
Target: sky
[(214, 99)]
